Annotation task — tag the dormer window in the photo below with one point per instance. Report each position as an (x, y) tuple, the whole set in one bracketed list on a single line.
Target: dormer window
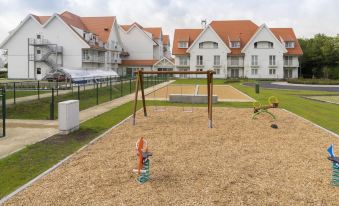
[(289, 44), (235, 44), (208, 45), (38, 36), (183, 44), (263, 45)]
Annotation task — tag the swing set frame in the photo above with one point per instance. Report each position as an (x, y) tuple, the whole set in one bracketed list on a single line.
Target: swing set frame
[(139, 84)]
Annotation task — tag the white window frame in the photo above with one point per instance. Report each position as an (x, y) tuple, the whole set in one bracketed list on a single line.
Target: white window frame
[(272, 60), (272, 71), (254, 71), (183, 61), (288, 60), (235, 44), (216, 60), (200, 60), (289, 44), (254, 60), (182, 44)]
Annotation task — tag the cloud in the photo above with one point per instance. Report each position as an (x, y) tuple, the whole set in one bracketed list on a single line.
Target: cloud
[(307, 17)]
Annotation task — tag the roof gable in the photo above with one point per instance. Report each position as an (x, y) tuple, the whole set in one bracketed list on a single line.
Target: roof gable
[(188, 35), (287, 34), (260, 29)]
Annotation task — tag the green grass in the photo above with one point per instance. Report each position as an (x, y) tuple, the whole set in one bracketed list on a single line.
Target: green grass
[(40, 109), (24, 165), (10, 94)]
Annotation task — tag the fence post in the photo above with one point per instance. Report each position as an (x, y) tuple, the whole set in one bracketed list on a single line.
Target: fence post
[(57, 87), (38, 89), (4, 112), (71, 82), (110, 88), (78, 92), (130, 85), (52, 106), (14, 92), (121, 87), (97, 93)]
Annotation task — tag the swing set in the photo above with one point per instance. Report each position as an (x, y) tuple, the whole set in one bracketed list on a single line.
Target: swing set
[(140, 86)]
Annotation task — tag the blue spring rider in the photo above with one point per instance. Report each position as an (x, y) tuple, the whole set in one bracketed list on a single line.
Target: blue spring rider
[(335, 166)]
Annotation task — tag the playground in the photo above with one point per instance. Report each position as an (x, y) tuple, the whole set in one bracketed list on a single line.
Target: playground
[(240, 161), (225, 93)]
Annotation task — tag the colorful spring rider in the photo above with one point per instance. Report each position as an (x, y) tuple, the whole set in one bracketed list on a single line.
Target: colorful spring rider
[(335, 166), (258, 108), (143, 169)]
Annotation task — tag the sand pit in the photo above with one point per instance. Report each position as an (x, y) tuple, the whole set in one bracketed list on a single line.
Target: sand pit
[(225, 93), (239, 162)]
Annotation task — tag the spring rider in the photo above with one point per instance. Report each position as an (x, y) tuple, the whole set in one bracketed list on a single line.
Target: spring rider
[(335, 166), (143, 169)]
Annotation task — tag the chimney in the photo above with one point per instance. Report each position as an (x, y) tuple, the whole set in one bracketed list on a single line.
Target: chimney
[(203, 23)]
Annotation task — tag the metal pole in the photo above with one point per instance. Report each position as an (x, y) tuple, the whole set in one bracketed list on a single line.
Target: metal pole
[(57, 86), (72, 86), (38, 89), (110, 88), (52, 106), (14, 93), (78, 92), (130, 85), (120, 87), (97, 93), (4, 112)]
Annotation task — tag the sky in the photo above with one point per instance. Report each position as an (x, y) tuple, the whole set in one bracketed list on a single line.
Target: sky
[(307, 17)]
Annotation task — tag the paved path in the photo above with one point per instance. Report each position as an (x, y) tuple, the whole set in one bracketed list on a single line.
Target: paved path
[(284, 85), (26, 132)]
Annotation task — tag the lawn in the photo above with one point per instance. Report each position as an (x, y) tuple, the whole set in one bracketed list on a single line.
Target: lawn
[(24, 165), (10, 94)]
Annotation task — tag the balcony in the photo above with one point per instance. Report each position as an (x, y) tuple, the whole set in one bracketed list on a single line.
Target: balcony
[(40, 41), (114, 46), (114, 60), (93, 59), (291, 64)]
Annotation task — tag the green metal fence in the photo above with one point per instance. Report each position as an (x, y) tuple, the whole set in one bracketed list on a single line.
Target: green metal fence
[(3, 113)]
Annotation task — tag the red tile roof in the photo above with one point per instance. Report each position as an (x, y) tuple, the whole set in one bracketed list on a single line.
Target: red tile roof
[(100, 26), (165, 39), (184, 35), (138, 62), (287, 34), (155, 31), (233, 30)]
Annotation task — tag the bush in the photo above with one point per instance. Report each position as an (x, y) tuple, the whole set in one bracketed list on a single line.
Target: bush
[(314, 81)]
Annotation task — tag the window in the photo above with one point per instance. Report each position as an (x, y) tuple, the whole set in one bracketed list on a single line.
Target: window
[(254, 71), (263, 45), (38, 36), (288, 60), (183, 44), (272, 71), (217, 71), (216, 60), (272, 60), (38, 70), (199, 60), (199, 70), (235, 44), (289, 44), (234, 61), (85, 55), (183, 61), (254, 60), (38, 51), (208, 45)]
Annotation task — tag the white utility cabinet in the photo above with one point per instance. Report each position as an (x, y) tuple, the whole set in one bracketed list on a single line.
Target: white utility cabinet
[(68, 116)]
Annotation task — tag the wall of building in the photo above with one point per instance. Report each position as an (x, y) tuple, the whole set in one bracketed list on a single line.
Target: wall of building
[(208, 54), (263, 57), (137, 44)]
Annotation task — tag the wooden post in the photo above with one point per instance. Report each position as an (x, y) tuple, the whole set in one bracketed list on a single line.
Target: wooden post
[(210, 123), (136, 96), (208, 99), (143, 93)]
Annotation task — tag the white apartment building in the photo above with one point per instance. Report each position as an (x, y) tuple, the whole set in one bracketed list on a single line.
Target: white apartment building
[(238, 49), (148, 49), (45, 45)]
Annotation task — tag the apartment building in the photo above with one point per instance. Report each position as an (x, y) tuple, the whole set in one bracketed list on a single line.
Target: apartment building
[(41, 46), (238, 48)]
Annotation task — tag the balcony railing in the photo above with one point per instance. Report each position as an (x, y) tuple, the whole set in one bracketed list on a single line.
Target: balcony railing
[(97, 59), (291, 64), (38, 41)]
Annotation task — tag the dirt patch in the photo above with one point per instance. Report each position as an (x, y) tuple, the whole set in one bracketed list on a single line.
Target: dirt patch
[(226, 93), (239, 162)]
